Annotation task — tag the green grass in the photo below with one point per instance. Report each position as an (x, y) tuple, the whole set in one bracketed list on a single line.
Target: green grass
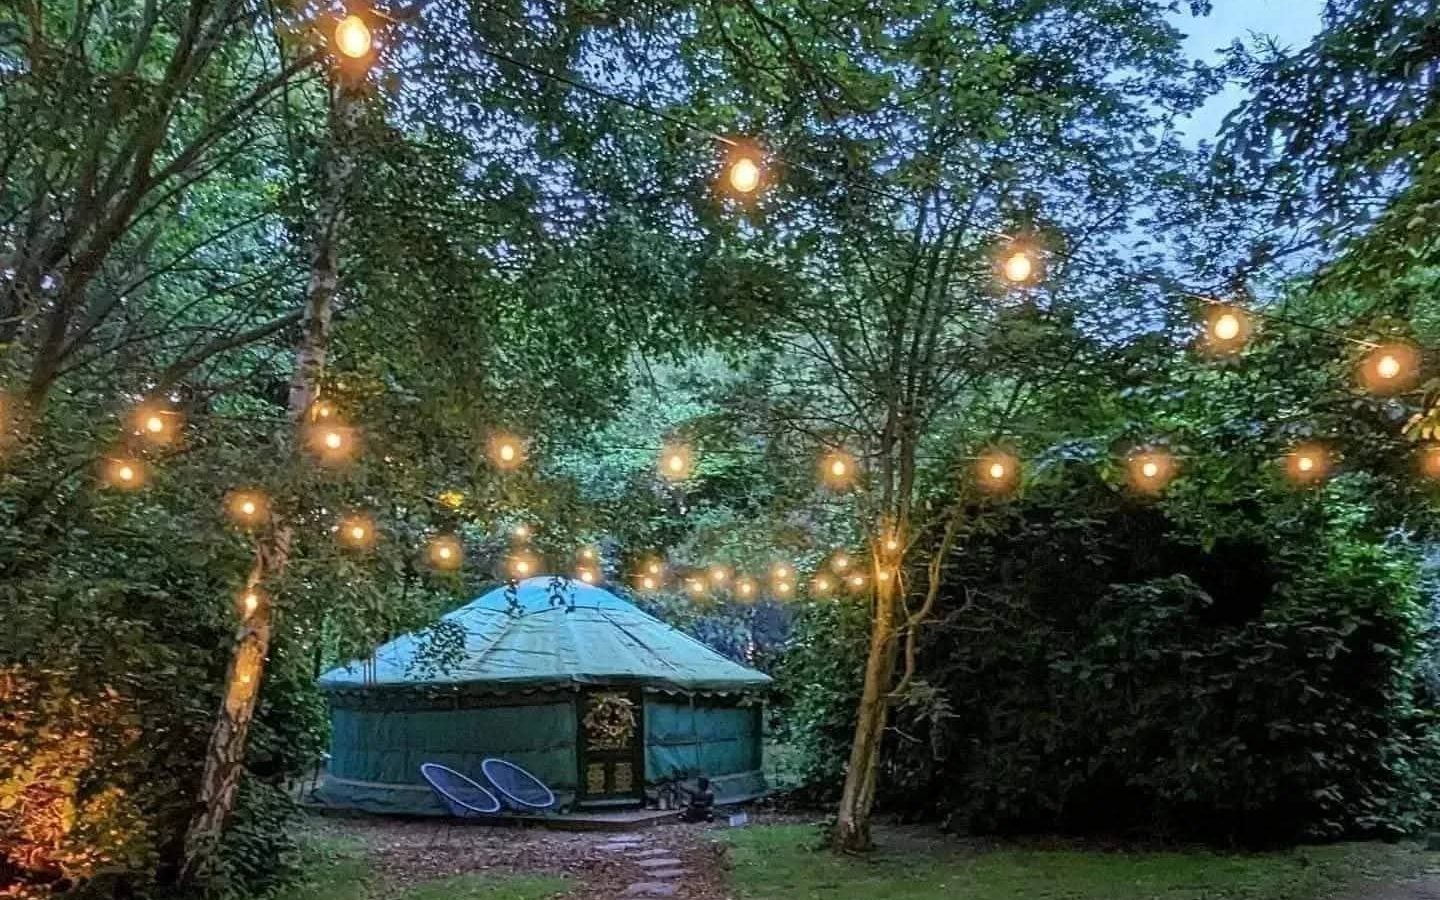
[(338, 870), (780, 861)]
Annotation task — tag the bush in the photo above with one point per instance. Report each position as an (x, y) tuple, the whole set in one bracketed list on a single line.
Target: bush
[(1261, 689)]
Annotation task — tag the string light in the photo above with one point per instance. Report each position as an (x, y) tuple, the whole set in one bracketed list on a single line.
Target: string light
[(506, 451), (997, 471), (745, 588), (649, 583), (1308, 464), (1390, 368), (744, 174), (675, 462), (857, 582), (1150, 471), (445, 551), (523, 565), (782, 572), (124, 474), (840, 561), (247, 507), (356, 532), (322, 409), (837, 469), (892, 543), (156, 425), (352, 37), (586, 574), (654, 567), (822, 585), (1018, 267), (587, 553), (249, 602), (719, 575), (784, 589), (332, 443), (521, 532), (696, 587), (1227, 328)]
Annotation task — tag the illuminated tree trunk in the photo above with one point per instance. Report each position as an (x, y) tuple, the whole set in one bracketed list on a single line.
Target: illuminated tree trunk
[(852, 826), (225, 757)]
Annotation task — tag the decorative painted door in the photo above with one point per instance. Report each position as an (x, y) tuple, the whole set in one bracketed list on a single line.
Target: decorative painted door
[(612, 748)]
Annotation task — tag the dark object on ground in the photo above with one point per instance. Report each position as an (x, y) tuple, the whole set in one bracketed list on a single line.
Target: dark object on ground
[(464, 798), (520, 790), (702, 803)]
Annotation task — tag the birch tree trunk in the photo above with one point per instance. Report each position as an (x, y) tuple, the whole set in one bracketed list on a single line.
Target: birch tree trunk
[(225, 756)]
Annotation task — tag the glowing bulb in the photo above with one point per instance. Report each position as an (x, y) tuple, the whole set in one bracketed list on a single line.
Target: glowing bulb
[(996, 470), (247, 507), (1149, 469), (507, 452), (782, 571), (745, 175), (857, 581), (884, 575), (333, 440), (357, 532), (676, 463), (696, 587), (840, 563), (1019, 267), (1309, 464), (1305, 463), (154, 424), (1227, 326), (522, 566), (324, 409), (125, 472), (746, 587), (822, 585), (250, 602), (892, 544), (783, 588), (352, 37), (445, 551), (648, 583), (718, 574), (587, 576), (653, 568), (521, 532)]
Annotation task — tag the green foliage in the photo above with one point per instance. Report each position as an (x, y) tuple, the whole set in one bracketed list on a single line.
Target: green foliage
[(1106, 670), (777, 861)]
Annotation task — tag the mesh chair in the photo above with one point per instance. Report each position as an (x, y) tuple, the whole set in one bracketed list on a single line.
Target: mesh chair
[(464, 798), (519, 789)]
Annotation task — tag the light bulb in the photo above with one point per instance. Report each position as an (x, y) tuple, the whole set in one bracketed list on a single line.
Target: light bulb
[(333, 440), (521, 532), (822, 584), (587, 576), (251, 601), (1149, 469), (1019, 267), (840, 563), (653, 568), (676, 462), (648, 583), (507, 452), (892, 544), (1388, 367), (718, 574), (444, 552), (746, 587), (997, 470), (357, 533), (782, 571), (857, 581), (838, 468), (522, 566), (154, 424), (352, 37), (1226, 326), (248, 507), (1305, 463), (744, 175), (125, 473)]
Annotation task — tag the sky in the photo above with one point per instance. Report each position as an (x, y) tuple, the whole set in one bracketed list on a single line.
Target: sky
[(1291, 22)]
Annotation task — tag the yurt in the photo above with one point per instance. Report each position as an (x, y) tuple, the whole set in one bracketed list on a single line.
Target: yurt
[(606, 704)]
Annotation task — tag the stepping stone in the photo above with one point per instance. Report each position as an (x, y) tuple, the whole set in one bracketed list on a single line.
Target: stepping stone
[(617, 848), (656, 862), (652, 889), (624, 837), (653, 851), (667, 874)]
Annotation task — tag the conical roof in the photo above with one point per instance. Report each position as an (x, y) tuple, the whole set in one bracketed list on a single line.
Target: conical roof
[(549, 632)]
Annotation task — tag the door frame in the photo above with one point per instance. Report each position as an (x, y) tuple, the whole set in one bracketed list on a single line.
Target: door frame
[(582, 754)]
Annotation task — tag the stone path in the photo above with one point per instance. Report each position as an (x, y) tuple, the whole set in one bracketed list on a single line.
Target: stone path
[(1425, 888), (658, 869)]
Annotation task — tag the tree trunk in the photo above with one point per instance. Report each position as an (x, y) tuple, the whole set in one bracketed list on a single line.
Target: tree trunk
[(852, 826), (224, 760)]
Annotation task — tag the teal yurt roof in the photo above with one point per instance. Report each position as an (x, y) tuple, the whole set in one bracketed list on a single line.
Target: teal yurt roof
[(548, 632)]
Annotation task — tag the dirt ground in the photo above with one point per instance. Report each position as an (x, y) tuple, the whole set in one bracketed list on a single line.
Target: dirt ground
[(404, 853)]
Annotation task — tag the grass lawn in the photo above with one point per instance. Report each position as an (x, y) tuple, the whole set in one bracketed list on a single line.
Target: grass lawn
[(336, 870), (779, 862)]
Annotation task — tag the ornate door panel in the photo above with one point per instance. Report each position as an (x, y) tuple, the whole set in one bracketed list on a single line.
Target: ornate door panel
[(612, 747)]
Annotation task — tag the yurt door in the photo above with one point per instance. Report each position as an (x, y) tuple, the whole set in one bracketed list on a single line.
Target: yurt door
[(612, 747)]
